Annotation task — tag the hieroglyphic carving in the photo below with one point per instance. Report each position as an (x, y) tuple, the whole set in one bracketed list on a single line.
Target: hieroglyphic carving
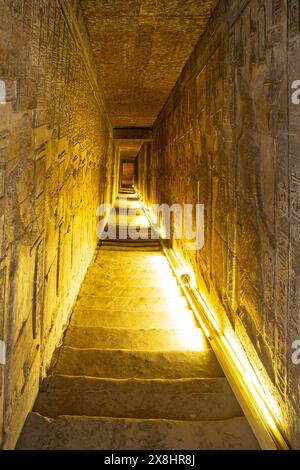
[(2, 315), (262, 38), (54, 137), (21, 188), (277, 10), (293, 18), (38, 289)]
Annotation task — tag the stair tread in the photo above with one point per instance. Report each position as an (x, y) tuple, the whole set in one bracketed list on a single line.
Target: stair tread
[(88, 289), (204, 398), (140, 364), (135, 338), (128, 319), (140, 303), (96, 433)]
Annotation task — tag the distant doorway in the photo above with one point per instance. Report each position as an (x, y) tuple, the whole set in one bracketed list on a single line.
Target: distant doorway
[(127, 174)]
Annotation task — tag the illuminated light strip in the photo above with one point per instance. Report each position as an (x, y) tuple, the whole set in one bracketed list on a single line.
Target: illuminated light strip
[(236, 365), (241, 376)]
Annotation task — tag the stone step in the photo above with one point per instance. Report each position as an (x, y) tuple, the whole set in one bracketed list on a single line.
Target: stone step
[(120, 246), (136, 319), (126, 271), (135, 339), (152, 250), (123, 269), (93, 288), (123, 235), (91, 433), (204, 399), (155, 263), (132, 257), (132, 304), (134, 280), (127, 249), (112, 363), (102, 282), (139, 256)]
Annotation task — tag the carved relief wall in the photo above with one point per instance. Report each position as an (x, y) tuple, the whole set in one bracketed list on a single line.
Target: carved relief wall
[(229, 137), (56, 165)]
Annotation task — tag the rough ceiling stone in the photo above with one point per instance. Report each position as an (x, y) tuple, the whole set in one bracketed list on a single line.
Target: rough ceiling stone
[(141, 47)]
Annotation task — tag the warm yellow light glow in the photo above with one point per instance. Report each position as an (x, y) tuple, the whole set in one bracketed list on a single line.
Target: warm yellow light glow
[(159, 262), (260, 390), (169, 287), (138, 221), (163, 233), (209, 311), (192, 339)]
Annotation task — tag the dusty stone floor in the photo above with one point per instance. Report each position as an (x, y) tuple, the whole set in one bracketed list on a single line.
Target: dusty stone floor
[(134, 370)]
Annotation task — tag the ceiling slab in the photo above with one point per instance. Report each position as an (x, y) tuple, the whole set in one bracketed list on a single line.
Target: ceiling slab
[(132, 133), (129, 149), (141, 47)]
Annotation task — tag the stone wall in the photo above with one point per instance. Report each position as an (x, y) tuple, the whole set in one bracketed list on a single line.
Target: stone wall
[(229, 137), (56, 165)]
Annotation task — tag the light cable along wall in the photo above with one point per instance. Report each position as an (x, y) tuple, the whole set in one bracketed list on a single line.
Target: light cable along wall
[(253, 396), (228, 137)]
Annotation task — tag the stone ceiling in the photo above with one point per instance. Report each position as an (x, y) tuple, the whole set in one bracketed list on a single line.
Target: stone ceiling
[(129, 149), (141, 47)]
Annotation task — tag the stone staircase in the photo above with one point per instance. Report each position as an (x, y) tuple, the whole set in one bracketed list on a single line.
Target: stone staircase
[(134, 370)]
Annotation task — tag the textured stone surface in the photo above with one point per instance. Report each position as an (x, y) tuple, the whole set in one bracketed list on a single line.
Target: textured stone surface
[(204, 399), (71, 433), (56, 165), (227, 137), (133, 319), (133, 387), (230, 127), (138, 338), (141, 48), (140, 364)]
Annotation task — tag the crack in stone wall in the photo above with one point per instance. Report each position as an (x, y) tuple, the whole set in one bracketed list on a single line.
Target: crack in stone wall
[(229, 137), (57, 163)]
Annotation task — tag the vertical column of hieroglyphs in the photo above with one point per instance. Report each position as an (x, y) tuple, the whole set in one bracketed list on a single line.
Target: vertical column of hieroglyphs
[(293, 334)]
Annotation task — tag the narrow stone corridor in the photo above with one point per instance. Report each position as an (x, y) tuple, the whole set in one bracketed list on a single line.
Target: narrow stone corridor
[(175, 324), (134, 371)]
